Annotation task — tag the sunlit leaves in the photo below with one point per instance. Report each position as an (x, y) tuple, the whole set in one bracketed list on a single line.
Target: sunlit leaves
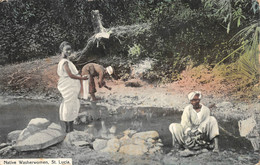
[(238, 15), (230, 11)]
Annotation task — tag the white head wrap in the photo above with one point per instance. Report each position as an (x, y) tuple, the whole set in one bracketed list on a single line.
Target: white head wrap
[(192, 94), (109, 70)]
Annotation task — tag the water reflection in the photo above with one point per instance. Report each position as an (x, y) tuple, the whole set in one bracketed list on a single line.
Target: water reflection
[(99, 130), (136, 125), (149, 115)]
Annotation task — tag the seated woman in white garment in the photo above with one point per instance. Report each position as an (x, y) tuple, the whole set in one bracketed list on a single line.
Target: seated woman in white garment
[(197, 129), (69, 87)]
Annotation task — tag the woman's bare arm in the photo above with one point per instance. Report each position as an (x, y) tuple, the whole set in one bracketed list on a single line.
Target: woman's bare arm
[(66, 66)]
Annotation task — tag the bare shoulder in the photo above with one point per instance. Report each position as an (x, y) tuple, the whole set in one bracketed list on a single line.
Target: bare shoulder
[(99, 68), (89, 64), (85, 66), (62, 61), (96, 65)]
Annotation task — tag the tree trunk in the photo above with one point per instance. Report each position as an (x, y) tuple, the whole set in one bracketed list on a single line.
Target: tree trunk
[(96, 21), (100, 32)]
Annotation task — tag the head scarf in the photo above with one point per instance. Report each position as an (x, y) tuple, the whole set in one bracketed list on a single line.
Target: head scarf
[(64, 43), (192, 94), (109, 70)]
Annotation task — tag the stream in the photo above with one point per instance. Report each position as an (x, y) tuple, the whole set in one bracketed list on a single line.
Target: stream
[(17, 112)]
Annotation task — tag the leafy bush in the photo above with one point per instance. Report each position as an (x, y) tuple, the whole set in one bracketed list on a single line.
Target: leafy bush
[(34, 29), (181, 31)]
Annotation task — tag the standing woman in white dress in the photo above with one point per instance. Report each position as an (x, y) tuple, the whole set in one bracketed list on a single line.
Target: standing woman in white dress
[(69, 87)]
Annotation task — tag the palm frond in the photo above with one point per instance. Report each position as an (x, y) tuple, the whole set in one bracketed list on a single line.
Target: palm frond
[(250, 40), (248, 66), (244, 34), (235, 51)]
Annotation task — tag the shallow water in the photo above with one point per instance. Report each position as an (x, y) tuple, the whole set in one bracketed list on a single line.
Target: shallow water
[(16, 114)]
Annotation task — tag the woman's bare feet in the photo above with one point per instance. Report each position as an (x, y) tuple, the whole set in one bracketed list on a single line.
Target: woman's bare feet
[(216, 149), (93, 97)]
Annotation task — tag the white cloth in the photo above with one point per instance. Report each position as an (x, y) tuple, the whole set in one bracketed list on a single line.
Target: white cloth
[(192, 94), (69, 89), (85, 85), (109, 70), (190, 120)]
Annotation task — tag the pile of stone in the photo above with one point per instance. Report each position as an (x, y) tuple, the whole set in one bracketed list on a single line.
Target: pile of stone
[(131, 143), (41, 133)]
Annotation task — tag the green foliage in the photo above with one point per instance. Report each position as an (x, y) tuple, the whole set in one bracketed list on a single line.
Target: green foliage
[(134, 51), (238, 15), (230, 11), (242, 75), (248, 67), (246, 56), (34, 29), (181, 31), (248, 52), (249, 36)]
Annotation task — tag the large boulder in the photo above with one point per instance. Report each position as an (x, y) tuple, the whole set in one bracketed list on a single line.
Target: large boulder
[(138, 141), (133, 149), (125, 140), (13, 136), (155, 150), (112, 146), (39, 134), (99, 144), (129, 133), (35, 125), (246, 126), (146, 135), (77, 139)]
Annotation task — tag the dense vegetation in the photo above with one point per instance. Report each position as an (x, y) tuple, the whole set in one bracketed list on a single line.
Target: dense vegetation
[(183, 32)]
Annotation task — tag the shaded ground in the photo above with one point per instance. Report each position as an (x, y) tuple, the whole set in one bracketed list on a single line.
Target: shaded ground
[(38, 79), (88, 156)]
